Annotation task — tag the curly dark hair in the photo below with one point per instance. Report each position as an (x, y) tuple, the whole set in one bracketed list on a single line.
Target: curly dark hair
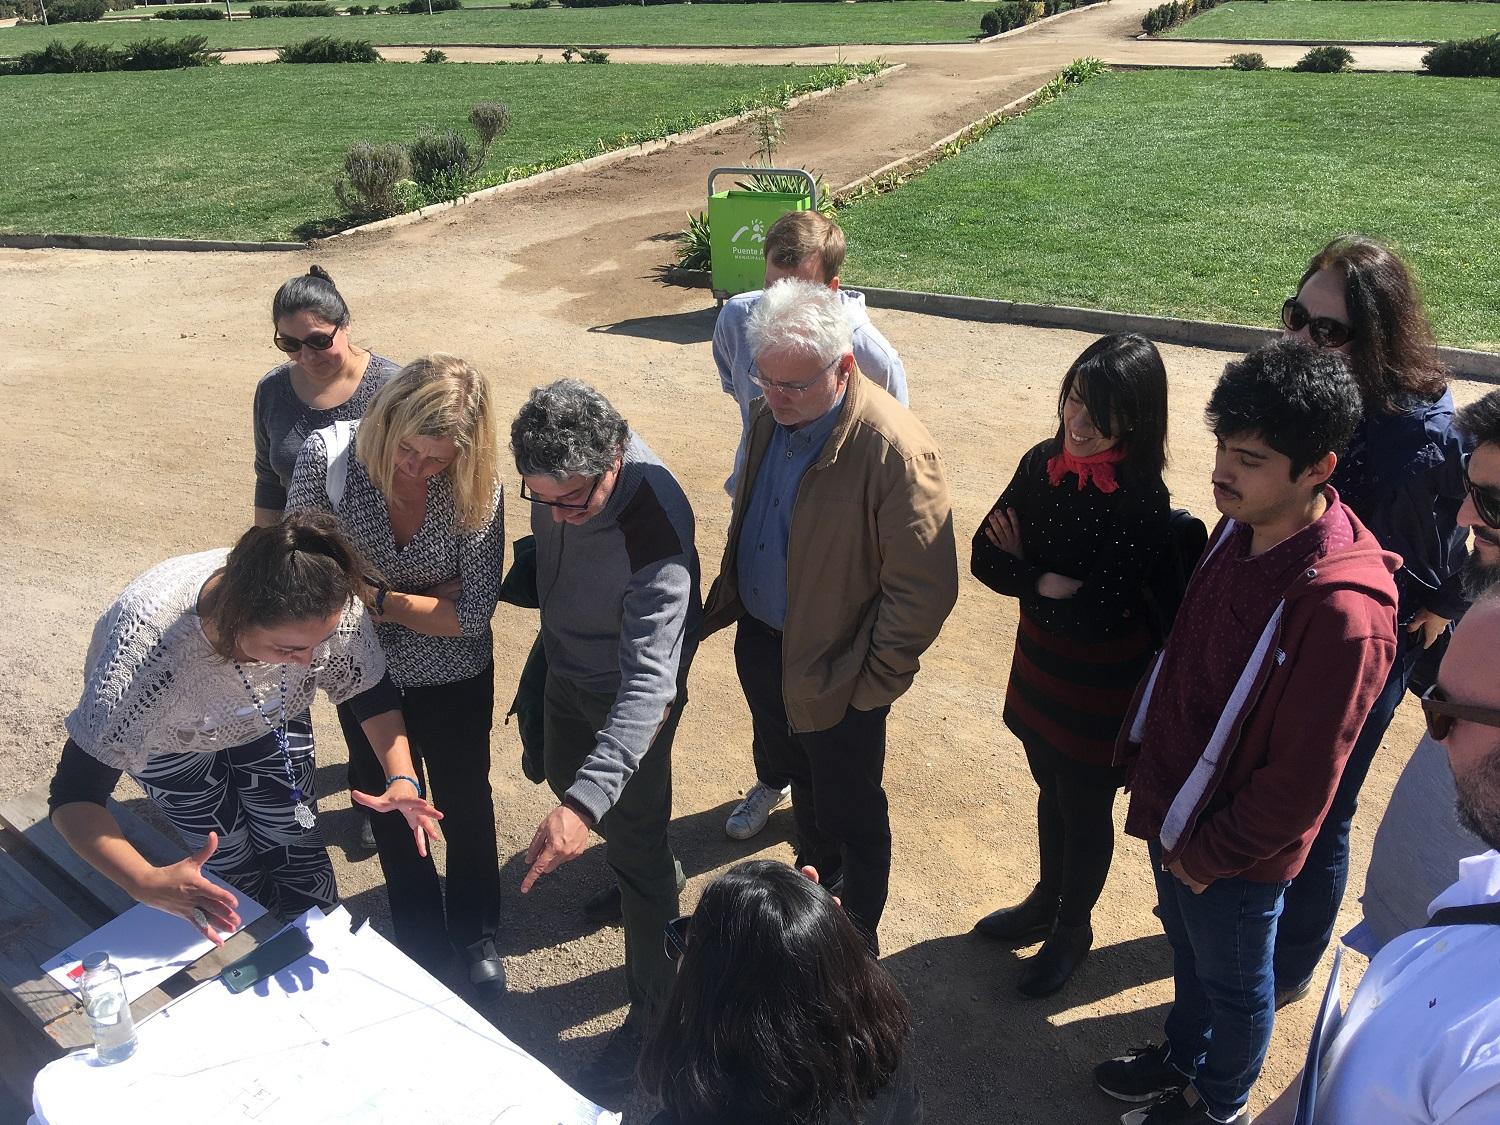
[(300, 569), (1300, 400), (1480, 420), (1392, 350), (1121, 378), (779, 1015), (567, 428)]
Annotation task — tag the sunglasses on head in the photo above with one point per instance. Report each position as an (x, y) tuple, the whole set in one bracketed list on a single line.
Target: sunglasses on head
[(1486, 502), (1323, 330), (317, 341), (676, 937), (1441, 714)]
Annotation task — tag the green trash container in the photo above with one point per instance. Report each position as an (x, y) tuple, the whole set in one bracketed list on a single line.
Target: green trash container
[(737, 225)]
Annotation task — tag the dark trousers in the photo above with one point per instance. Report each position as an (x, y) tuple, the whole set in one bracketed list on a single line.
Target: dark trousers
[(1075, 830), (1224, 999), (634, 830), (1315, 895), (449, 729), (838, 802)]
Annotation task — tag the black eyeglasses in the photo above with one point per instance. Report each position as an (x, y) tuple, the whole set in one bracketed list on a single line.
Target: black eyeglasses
[(676, 935), (1486, 502), (1442, 714), (1323, 330), (317, 341), (527, 494)]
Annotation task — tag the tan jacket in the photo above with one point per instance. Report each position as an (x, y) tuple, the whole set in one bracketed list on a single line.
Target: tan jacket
[(872, 571)]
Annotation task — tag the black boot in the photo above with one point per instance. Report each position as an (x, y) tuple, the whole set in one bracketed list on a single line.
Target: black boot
[(1027, 922), (1056, 961)]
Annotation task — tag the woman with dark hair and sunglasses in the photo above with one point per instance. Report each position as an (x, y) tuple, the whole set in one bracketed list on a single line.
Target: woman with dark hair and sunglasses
[(1074, 538), (779, 1015), (327, 379), (1404, 476), (415, 485), (193, 683)]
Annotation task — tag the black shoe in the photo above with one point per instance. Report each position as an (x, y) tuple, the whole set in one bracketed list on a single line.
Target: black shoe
[(1056, 961), (1285, 996), (1026, 923), (486, 970), (1141, 1075), (610, 1078), (1184, 1107), (603, 907), (366, 833)]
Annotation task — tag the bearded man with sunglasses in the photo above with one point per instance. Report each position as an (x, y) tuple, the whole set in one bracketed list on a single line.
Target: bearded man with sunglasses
[(840, 570), (1420, 840), (617, 582), (1417, 1044)]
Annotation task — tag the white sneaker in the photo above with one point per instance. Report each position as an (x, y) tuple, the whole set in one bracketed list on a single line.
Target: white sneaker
[(751, 814)]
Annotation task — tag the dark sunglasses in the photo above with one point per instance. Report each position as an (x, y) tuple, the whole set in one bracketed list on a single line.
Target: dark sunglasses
[(1486, 503), (1324, 330), (317, 341), (1441, 714), (527, 494), (676, 934)]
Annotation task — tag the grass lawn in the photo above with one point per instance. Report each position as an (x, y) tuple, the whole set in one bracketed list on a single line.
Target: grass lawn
[(232, 152), (1203, 194), (1343, 21), (897, 21)]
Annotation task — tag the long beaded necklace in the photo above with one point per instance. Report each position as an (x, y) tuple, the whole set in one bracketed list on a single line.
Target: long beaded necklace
[(300, 812)]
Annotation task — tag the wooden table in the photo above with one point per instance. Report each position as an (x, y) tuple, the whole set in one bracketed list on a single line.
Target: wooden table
[(49, 899)]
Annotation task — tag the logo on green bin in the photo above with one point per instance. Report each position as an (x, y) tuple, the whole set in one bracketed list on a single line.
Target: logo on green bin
[(752, 248)]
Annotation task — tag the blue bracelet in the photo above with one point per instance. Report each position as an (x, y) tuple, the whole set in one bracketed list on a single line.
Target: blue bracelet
[(404, 777)]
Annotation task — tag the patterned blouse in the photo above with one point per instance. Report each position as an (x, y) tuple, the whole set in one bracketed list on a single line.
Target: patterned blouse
[(437, 553)]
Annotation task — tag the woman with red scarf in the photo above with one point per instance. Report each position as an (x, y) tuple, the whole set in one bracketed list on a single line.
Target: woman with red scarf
[(1074, 537)]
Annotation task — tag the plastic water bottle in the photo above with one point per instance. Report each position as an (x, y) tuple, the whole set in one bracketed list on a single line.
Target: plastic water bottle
[(108, 1009)]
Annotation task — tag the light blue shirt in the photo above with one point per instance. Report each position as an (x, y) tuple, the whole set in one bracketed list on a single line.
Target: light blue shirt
[(760, 562)]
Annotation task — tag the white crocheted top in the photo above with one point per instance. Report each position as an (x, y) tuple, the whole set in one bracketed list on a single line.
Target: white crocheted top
[(154, 685)]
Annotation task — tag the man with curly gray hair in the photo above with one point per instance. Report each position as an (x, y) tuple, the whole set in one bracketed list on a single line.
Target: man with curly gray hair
[(839, 571), (617, 582)]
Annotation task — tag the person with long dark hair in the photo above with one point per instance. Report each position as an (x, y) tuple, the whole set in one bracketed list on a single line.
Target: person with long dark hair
[(197, 684), (1404, 476), (779, 1014), (1074, 538)]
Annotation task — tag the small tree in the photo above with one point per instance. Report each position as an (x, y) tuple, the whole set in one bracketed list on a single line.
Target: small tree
[(491, 120), (371, 173)]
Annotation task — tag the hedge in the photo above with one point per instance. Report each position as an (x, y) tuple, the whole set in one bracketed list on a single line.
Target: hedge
[(191, 14), (297, 8), (155, 53), (1167, 16), (1019, 13), (1465, 58)]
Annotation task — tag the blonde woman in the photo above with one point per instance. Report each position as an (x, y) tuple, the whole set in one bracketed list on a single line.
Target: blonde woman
[(415, 485)]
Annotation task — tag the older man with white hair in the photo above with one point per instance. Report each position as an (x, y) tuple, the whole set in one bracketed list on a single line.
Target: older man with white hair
[(839, 570)]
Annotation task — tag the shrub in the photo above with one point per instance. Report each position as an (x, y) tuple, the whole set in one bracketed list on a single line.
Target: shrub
[(594, 56), (441, 163), (355, 9), (168, 54), (1325, 60), (327, 49), (1465, 58), (1006, 17), (419, 7), (76, 11), (1248, 60), (297, 9), (491, 120), (191, 14), (530, 5), (433, 55), (59, 58), (367, 186)]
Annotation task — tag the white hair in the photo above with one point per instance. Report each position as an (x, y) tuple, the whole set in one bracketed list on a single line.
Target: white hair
[(800, 316)]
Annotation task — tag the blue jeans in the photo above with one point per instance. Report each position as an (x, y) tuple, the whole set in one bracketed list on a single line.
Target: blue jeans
[(1315, 895), (1225, 1001)]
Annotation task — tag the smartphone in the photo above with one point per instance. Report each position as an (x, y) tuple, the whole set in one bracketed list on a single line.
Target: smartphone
[(266, 960)]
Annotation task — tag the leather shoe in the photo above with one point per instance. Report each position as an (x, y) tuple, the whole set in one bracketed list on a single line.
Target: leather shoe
[(603, 907), (1056, 961), (1026, 923), (1292, 993), (486, 970)]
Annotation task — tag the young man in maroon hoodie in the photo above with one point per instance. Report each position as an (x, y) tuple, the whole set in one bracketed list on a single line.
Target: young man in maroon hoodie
[(1239, 732)]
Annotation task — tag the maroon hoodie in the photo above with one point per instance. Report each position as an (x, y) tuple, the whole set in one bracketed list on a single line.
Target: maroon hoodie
[(1246, 798)]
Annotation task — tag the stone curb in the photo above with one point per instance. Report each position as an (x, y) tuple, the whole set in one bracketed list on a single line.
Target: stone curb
[(120, 242), (1039, 23), (1462, 362), (1225, 66), (1300, 42), (644, 46), (603, 160)]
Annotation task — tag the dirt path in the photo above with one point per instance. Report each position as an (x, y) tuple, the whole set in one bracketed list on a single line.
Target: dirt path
[(125, 438)]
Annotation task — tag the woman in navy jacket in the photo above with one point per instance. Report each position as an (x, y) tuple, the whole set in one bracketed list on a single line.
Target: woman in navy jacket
[(1404, 476)]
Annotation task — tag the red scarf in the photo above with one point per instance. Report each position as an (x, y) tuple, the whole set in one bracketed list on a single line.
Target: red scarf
[(1098, 469)]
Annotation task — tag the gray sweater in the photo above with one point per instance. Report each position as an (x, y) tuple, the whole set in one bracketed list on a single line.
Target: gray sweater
[(620, 604)]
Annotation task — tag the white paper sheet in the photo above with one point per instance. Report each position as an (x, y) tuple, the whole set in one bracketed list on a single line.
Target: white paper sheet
[(147, 945), (352, 1034)]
